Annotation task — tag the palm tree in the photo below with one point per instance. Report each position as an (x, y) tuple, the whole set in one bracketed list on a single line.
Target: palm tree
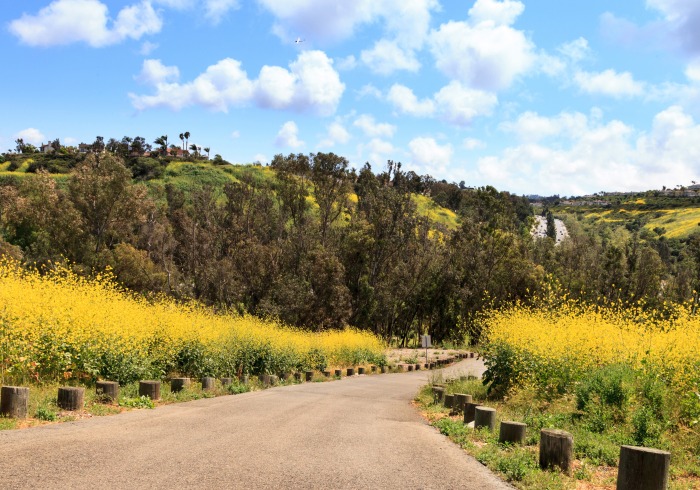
[(162, 141), (182, 138), (193, 147), (207, 149), (187, 138)]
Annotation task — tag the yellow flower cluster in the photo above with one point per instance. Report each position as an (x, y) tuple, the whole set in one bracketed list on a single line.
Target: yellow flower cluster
[(61, 325), (567, 335)]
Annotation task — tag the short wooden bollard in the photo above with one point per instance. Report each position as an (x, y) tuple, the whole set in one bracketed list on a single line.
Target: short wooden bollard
[(338, 373), (226, 381), (360, 370), (512, 432), (14, 401), (374, 369), (179, 384), (150, 388), (469, 412), (417, 368), (556, 449), (485, 417), (309, 375), (438, 394), (71, 398), (274, 379), (245, 378), (384, 369), (107, 390), (399, 368), (471, 355), (461, 399), (410, 367), (643, 468), (449, 401), (208, 383), (264, 379), (351, 371), (297, 376), (327, 374)]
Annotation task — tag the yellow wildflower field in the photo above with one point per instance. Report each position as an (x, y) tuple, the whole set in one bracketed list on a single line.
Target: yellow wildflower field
[(59, 325)]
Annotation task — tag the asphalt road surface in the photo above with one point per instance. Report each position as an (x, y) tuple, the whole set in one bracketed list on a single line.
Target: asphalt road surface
[(357, 433)]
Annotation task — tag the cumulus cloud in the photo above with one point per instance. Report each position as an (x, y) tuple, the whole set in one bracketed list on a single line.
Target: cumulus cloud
[(609, 82), (30, 135), (459, 105), (373, 129), (337, 134), (429, 156), (405, 102), (70, 21), (576, 50), (288, 136), (310, 84), (214, 10), (484, 52), (386, 57), (454, 103), (592, 155), (531, 127), (377, 151), (473, 144), (692, 71)]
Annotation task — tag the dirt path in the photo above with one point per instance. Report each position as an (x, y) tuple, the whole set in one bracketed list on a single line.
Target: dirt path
[(355, 433)]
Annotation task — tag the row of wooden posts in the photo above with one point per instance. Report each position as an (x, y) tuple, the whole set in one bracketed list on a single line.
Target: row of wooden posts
[(14, 400), (640, 468)]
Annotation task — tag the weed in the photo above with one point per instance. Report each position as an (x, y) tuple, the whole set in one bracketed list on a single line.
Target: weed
[(137, 402), (45, 413)]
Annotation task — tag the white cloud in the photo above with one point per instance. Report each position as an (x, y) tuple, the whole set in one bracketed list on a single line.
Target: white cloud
[(576, 50), (429, 156), (531, 127), (373, 129), (347, 63), (460, 105), (473, 144), (377, 152), (369, 90), (31, 135), (70, 21), (154, 72), (609, 83), (261, 158), (337, 134), (592, 155), (405, 101), (214, 10), (496, 12), (310, 85), (288, 136), (692, 71), (147, 48), (485, 52), (235, 134), (386, 57)]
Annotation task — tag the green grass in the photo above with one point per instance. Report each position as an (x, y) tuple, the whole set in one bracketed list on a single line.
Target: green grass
[(436, 213)]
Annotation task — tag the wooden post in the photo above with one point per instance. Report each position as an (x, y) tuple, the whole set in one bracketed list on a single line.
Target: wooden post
[(179, 384), (512, 432), (374, 369), (107, 390), (643, 468), (471, 355), (264, 379), (226, 381), (71, 398), (338, 373), (556, 449), (449, 401), (151, 389), (208, 383), (410, 367), (351, 371), (460, 400), (485, 417), (274, 379), (417, 368), (14, 401), (438, 394), (297, 376), (327, 374), (469, 412), (309, 375), (360, 370), (245, 378)]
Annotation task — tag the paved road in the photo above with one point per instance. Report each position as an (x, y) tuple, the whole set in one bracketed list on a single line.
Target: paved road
[(358, 433)]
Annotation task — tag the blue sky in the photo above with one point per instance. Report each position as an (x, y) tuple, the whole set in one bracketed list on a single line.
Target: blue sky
[(528, 96)]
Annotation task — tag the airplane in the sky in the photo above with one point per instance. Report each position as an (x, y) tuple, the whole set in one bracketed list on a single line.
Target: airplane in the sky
[(299, 40)]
